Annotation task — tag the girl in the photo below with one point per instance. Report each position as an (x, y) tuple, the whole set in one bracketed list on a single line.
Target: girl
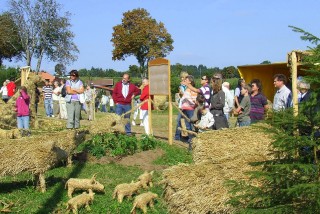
[(23, 111)]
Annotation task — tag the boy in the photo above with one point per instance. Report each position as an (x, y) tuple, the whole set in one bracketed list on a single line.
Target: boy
[(206, 121), (244, 108)]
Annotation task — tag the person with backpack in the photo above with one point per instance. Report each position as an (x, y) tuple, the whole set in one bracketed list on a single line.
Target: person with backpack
[(62, 102)]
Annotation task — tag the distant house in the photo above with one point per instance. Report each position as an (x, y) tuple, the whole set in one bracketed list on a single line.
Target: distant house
[(46, 76), (101, 83)]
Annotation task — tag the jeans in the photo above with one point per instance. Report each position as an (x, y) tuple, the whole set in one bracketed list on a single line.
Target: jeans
[(189, 126), (103, 108), (48, 106), (244, 123), (121, 109), (23, 122), (111, 109), (73, 112), (177, 135)]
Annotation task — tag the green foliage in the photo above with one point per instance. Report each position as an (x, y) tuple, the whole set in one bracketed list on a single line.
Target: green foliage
[(173, 155), (117, 144), (141, 36), (8, 73), (290, 182)]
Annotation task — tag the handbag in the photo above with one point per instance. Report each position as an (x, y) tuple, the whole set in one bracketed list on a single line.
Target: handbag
[(67, 98), (82, 98)]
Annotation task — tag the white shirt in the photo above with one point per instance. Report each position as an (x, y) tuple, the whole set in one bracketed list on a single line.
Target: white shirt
[(282, 99), (125, 89), (206, 121), (228, 105), (54, 96), (4, 90), (104, 100)]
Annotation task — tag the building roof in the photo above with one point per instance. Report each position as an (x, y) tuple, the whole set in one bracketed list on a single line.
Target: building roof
[(46, 76), (100, 82)]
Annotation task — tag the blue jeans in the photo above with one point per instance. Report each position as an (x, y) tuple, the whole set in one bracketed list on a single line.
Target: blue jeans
[(23, 122), (111, 109), (121, 109), (177, 135), (244, 123), (48, 104), (103, 108)]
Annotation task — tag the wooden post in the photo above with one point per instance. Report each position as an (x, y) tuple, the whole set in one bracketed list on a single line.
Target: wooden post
[(294, 74), (170, 135), (24, 74), (149, 114)]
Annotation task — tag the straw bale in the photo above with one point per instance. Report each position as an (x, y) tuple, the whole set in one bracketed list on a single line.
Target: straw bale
[(10, 134), (34, 154), (108, 123), (219, 156), (50, 124), (160, 102)]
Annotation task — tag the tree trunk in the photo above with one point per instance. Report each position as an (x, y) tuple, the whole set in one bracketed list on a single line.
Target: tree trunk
[(39, 61)]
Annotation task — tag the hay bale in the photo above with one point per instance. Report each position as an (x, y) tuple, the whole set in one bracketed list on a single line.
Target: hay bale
[(107, 124), (50, 124), (160, 102), (10, 134), (219, 156)]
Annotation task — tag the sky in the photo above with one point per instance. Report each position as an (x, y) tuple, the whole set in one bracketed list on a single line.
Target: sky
[(214, 33)]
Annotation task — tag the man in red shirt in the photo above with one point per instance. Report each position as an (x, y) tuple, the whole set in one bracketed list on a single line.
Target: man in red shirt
[(11, 86), (122, 95)]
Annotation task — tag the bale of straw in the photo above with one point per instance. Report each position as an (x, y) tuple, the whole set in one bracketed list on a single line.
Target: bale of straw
[(219, 156), (107, 124), (34, 154), (50, 124), (10, 134), (160, 102)]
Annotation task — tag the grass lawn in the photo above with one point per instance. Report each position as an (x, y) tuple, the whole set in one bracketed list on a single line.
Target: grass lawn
[(19, 194)]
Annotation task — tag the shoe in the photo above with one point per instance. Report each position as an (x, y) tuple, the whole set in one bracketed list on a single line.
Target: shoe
[(141, 124), (133, 123), (52, 115)]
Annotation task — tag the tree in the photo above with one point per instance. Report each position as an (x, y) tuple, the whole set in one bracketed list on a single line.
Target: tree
[(289, 183), (43, 31), (265, 62), (60, 69), (141, 36), (9, 38)]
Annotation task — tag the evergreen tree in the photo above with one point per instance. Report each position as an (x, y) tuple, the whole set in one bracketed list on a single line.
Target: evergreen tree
[(289, 183)]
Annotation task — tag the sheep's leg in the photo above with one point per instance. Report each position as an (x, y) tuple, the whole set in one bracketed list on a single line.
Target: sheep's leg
[(120, 197), (144, 208), (69, 161), (70, 191), (41, 182), (151, 203), (87, 206), (150, 184)]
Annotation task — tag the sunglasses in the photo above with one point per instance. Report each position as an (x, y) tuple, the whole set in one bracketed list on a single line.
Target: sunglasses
[(72, 75)]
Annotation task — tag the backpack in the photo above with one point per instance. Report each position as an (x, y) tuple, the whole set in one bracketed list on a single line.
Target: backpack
[(63, 91)]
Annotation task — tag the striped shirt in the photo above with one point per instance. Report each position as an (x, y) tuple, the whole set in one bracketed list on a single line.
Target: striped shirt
[(205, 91), (47, 91)]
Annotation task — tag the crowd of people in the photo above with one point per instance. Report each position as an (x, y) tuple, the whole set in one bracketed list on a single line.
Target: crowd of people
[(206, 108), (210, 106)]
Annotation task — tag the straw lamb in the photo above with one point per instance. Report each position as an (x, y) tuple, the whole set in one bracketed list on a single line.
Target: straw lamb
[(146, 179), (142, 200), (126, 189), (83, 184), (81, 200)]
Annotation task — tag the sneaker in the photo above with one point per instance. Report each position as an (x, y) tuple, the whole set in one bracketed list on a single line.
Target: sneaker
[(52, 115), (141, 124), (133, 123)]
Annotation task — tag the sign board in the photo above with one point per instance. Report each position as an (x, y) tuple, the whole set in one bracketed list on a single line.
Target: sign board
[(159, 76)]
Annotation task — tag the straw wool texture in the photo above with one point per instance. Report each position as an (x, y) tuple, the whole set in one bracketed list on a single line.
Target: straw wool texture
[(219, 156), (10, 134), (38, 153), (33, 154), (108, 123)]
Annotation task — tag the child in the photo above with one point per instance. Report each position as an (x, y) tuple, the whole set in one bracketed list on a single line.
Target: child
[(23, 111), (206, 121), (244, 108)]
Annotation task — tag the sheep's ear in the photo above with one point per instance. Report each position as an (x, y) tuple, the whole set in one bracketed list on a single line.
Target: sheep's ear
[(93, 179)]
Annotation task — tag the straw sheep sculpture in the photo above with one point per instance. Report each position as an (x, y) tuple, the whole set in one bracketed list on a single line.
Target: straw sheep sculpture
[(79, 201), (126, 189), (142, 200), (146, 179), (83, 184)]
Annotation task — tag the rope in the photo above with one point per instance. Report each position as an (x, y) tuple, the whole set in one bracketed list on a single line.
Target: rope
[(183, 115)]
